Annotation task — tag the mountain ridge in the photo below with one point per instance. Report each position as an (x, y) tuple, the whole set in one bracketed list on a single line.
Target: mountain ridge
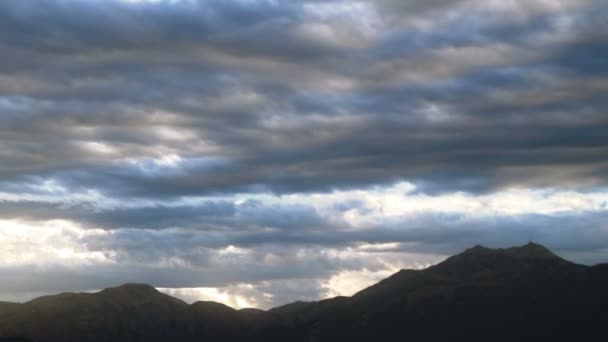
[(528, 286), (529, 250)]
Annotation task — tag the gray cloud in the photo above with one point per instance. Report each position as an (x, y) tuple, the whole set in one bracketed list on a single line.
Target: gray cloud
[(151, 105), (419, 111), (209, 215)]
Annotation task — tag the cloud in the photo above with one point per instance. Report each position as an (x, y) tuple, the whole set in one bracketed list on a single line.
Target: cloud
[(309, 247), (262, 151), (290, 112)]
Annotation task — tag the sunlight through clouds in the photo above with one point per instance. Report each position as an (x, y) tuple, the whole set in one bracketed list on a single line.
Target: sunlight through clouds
[(45, 243), (192, 295)]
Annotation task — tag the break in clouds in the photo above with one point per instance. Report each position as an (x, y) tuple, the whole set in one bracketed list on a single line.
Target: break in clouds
[(256, 152)]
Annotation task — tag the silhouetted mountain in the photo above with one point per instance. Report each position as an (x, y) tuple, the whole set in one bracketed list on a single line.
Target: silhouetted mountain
[(7, 307), (523, 294), (517, 294)]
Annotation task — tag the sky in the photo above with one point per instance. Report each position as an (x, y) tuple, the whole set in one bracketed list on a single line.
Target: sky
[(257, 152)]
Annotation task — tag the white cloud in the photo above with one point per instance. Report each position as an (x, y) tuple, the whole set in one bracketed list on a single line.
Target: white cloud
[(228, 296), (45, 243)]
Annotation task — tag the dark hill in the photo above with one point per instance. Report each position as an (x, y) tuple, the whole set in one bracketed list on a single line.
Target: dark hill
[(7, 307), (517, 294)]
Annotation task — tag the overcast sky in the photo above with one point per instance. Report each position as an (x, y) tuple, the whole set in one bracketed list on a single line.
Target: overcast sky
[(256, 152)]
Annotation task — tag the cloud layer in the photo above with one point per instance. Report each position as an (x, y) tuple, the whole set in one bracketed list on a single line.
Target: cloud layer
[(258, 152)]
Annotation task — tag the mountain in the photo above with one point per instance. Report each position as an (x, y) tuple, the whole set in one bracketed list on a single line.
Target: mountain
[(7, 307), (523, 293), (132, 312)]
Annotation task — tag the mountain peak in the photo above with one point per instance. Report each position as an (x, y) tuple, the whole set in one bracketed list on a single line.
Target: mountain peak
[(481, 259), (139, 293), (477, 249), (133, 288), (531, 250)]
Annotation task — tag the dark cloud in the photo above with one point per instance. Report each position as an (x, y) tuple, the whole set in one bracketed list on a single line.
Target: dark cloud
[(221, 215), (272, 117)]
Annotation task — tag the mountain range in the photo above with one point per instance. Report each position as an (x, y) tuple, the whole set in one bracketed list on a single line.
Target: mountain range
[(524, 293)]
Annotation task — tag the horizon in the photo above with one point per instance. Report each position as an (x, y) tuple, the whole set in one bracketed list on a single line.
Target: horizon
[(258, 152), (199, 295)]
